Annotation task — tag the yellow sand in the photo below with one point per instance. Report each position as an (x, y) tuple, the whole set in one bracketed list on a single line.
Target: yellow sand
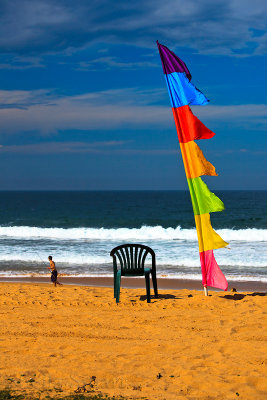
[(55, 340)]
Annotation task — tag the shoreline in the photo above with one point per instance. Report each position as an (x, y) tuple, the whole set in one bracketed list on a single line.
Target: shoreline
[(138, 283)]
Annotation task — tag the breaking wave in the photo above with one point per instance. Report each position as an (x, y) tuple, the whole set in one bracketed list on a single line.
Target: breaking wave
[(144, 233)]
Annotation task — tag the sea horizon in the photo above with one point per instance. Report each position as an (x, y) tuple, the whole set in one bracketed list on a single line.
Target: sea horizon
[(127, 190)]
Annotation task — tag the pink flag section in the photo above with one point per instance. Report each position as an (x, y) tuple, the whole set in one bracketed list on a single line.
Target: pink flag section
[(211, 273)]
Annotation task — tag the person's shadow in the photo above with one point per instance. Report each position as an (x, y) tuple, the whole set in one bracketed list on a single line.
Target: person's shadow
[(241, 296)]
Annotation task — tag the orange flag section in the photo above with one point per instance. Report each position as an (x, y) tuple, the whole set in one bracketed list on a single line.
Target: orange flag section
[(188, 126), (208, 239), (195, 163)]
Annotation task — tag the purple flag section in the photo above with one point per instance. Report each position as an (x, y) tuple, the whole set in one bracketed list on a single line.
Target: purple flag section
[(170, 62)]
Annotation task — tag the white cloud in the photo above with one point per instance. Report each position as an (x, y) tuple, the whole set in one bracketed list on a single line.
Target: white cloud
[(116, 147), (132, 108), (251, 114), (62, 147), (21, 63), (113, 62), (24, 111)]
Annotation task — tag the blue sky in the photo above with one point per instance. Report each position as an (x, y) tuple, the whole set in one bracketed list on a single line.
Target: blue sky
[(84, 105)]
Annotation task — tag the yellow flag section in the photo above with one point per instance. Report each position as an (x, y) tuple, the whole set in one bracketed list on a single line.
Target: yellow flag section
[(194, 161), (208, 239)]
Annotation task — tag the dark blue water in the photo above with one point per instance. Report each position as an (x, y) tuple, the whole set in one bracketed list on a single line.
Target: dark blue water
[(132, 209)]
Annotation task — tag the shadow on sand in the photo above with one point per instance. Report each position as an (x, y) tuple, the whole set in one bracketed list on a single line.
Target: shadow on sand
[(160, 297), (241, 296)]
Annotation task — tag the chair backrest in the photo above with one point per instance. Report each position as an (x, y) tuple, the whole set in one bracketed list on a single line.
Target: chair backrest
[(132, 258)]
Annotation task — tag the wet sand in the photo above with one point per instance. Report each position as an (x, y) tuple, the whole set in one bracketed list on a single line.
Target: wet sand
[(163, 283), (181, 346)]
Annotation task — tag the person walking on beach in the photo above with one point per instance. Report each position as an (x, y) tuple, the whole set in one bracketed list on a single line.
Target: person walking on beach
[(53, 271)]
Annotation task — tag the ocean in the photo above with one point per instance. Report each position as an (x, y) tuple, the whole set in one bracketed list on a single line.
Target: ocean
[(79, 229)]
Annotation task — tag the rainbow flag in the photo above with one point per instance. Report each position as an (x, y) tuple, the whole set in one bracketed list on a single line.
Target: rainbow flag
[(189, 128)]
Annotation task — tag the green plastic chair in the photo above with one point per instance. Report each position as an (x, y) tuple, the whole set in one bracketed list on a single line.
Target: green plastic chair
[(132, 258)]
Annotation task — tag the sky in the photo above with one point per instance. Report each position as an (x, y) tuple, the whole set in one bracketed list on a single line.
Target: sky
[(84, 104)]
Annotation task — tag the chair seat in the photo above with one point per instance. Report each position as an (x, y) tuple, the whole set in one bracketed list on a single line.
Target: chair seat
[(133, 273)]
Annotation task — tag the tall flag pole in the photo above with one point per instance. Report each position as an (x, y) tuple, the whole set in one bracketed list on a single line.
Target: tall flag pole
[(189, 128)]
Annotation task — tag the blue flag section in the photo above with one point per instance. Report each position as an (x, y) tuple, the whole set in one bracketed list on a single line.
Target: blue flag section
[(182, 92)]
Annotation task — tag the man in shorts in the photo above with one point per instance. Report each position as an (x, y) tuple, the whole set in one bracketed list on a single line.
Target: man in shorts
[(53, 271)]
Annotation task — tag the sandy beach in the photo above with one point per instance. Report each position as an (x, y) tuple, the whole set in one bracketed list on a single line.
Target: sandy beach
[(182, 345)]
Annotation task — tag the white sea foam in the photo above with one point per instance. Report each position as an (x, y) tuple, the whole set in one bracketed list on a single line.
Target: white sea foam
[(85, 251), (69, 259), (137, 234), (175, 259)]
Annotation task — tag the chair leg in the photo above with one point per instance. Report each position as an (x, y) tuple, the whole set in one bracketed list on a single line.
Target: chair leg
[(118, 287), (115, 283), (155, 286), (148, 288)]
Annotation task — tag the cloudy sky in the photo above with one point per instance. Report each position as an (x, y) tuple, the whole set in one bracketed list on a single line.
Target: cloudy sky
[(84, 105)]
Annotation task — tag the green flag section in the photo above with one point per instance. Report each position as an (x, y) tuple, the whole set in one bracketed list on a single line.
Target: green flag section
[(203, 200)]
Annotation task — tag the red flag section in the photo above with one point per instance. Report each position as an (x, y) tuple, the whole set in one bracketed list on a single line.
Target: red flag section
[(188, 126)]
